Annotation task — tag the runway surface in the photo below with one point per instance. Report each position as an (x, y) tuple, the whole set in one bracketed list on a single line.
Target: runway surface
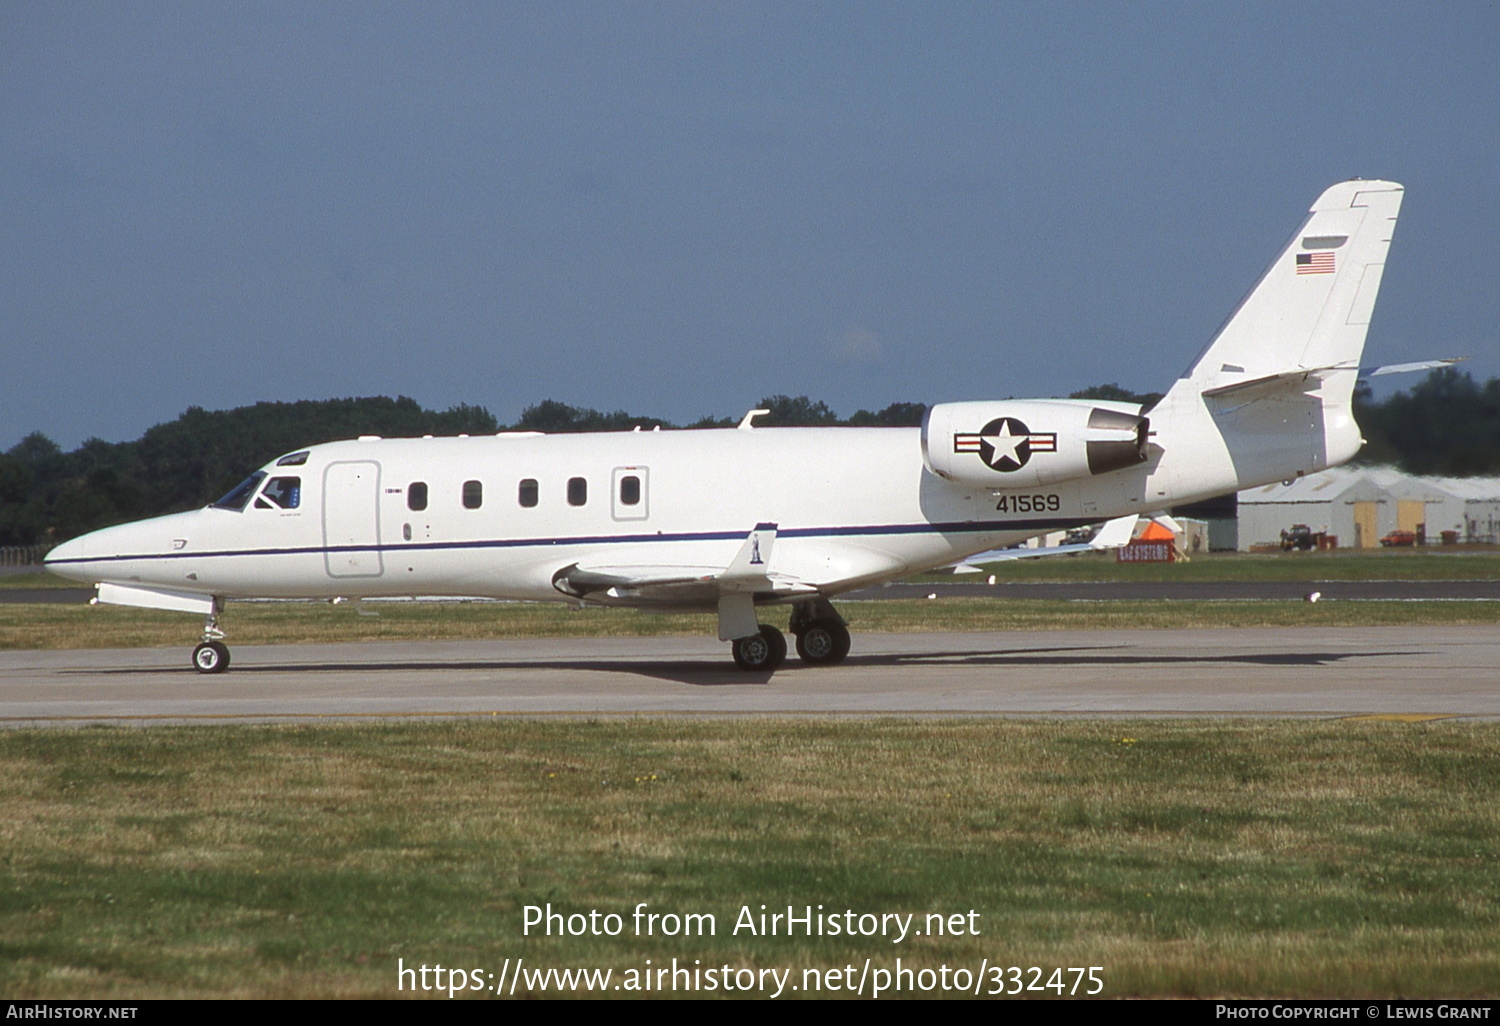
[(1261, 672)]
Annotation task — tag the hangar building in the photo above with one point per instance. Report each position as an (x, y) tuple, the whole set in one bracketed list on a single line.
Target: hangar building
[(1361, 505)]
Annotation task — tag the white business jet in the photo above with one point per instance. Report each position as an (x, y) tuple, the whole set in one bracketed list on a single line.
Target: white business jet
[(737, 520)]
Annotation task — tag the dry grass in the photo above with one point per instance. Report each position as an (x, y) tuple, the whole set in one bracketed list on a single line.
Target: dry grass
[(1187, 858)]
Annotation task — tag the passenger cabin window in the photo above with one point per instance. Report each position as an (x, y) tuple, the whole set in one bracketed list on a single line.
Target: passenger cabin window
[(528, 492), (578, 491), (240, 495), (473, 494), (630, 490), (416, 495), (281, 493)]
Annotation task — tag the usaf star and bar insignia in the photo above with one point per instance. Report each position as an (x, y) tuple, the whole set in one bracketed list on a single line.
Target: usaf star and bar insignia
[(1005, 444)]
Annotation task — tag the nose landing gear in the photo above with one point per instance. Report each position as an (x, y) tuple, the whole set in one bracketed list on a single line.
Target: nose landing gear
[(211, 655)]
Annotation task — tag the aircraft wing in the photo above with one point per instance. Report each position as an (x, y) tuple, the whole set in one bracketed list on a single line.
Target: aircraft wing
[(746, 574), (1113, 535)]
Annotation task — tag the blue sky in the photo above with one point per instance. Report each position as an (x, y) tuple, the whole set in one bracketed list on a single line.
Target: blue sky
[(677, 208)]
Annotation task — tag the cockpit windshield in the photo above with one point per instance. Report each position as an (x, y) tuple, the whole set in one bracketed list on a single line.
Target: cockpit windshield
[(240, 495)]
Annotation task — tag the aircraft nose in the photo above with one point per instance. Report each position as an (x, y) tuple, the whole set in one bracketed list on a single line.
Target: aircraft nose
[(64, 560)]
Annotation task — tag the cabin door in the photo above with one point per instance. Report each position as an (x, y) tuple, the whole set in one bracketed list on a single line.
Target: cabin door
[(351, 519)]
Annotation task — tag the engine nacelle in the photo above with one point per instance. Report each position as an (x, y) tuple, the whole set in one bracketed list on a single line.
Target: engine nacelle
[(1021, 444)]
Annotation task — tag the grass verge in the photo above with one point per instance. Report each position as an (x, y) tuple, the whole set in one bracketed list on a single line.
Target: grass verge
[(1284, 858)]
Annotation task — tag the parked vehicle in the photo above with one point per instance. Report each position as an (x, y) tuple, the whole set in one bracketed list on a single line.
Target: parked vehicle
[(1396, 538), (1299, 537)]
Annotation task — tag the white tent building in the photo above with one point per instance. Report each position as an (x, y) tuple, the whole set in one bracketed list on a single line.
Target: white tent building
[(1361, 505)]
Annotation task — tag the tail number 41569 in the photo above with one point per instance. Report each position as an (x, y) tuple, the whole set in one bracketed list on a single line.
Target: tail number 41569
[(1049, 503)]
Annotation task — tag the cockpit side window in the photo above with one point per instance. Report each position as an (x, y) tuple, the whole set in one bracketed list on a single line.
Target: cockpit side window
[(281, 493), (240, 494), (295, 459)]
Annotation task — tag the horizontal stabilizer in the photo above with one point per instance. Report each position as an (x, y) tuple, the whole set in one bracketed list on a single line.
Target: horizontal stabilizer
[(1311, 378), (1289, 382), (1409, 368)]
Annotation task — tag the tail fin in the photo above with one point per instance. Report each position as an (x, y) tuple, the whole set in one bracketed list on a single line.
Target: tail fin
[(1271, 396), (1310, 310)]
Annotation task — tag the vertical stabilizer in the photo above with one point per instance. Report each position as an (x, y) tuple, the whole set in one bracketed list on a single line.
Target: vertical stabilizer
[(1311, 308), (1271, 397)]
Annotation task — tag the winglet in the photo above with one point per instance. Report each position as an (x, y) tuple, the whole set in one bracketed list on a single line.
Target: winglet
[(749, 566), (744, 576), (1114, 534)]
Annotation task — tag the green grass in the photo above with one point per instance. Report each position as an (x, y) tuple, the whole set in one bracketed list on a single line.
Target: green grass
[(53, 626), (39, 579), (1294, 858)]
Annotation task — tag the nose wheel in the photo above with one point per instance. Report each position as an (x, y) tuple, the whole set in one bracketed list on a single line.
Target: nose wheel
[(211, 657)]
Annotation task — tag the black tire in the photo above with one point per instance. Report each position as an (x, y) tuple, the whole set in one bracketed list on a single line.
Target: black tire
[(211, 657), (824, 643), (760, 653)]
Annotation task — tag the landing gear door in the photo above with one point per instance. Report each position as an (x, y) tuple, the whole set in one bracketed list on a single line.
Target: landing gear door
[(629, 494), (351, 519)]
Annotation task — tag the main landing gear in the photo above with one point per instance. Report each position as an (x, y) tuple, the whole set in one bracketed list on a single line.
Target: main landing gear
[(822, 639), (764, 651), (211, 655)]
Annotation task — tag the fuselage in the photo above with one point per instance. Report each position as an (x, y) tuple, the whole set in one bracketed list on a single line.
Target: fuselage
[(498, 516), (646, 517)]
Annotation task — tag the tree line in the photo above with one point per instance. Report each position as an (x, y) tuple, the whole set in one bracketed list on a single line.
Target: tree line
[(1448, 424)]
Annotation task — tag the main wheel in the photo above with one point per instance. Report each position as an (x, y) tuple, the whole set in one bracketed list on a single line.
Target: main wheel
[(211, 657), (761, 652), (825, 642)]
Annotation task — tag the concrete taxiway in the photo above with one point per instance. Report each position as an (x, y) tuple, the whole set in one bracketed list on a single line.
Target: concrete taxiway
[(1427, 672)]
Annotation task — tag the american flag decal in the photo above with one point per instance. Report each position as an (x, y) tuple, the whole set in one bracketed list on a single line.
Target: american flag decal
[(1315, 263)]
